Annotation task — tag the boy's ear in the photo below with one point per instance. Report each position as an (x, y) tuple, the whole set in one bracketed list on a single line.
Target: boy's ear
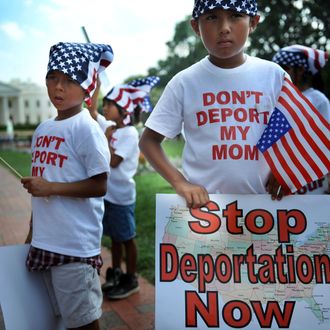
[(195, 26), (254, 22)]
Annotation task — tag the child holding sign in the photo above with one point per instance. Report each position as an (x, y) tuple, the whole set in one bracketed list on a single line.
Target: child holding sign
[(224, 103)]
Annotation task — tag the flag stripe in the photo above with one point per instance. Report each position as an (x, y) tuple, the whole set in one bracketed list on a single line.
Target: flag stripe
[(285, 166), (312, 115), (303, 129), (275, 171), (313, 168), (294, 158)]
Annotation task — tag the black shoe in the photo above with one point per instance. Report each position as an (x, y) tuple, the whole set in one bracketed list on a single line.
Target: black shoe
[(112, 277), (128, 284)]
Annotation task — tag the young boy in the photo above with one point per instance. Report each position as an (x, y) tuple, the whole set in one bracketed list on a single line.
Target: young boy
[(70, 164), (224, 102)]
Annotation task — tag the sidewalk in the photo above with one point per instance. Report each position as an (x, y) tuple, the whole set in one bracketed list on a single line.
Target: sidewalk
[(134, 313)]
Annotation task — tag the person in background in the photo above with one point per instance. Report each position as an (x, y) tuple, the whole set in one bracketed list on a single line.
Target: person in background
[(224, 102), (10, 129), (122, 107), (304, 65), (70, 166)]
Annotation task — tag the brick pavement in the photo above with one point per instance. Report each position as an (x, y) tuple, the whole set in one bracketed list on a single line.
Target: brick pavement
[(134, 313)]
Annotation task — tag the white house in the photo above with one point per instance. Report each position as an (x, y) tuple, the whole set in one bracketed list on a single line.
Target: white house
[(26, 102)]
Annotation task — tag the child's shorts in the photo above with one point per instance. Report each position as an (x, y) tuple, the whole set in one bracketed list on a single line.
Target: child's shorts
[(75, 293), (119, 221)]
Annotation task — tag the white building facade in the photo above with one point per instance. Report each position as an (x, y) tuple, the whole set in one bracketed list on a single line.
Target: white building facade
[(26, 103)]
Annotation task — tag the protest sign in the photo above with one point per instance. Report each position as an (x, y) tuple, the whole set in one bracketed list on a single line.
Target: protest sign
[(24, 298), (243, 261)]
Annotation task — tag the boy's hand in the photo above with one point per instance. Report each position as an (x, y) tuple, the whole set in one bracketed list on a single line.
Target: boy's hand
[(274, 188), (196, 196), (37, 186)]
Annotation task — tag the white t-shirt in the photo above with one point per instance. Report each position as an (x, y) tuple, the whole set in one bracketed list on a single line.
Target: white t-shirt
[(320, 102), (121, 184), (224, 112), (104, 123), (68, 151)]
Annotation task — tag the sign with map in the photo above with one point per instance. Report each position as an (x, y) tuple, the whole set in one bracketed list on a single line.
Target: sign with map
[(243, 261)]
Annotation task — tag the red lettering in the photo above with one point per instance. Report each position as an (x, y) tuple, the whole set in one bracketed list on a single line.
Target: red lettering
[(284, 227), (201, 118), (254, 216), (168, 255), (188, 268), (273, 310), (229, 311), (209, 312), (213, 221), (208, 99), (231, 213), (206, 271)]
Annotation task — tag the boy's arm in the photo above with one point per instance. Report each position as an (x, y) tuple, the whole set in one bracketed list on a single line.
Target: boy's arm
[(95, 186), (150, 145), (94, 103)]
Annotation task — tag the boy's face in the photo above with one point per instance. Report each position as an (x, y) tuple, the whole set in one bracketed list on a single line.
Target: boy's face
[(65, 93), (224, 34)]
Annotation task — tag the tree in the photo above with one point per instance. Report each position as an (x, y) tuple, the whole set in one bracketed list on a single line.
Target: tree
[(283, 22)]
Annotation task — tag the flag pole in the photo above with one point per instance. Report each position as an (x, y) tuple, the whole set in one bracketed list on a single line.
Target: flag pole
[(11, 168), (103, 76)]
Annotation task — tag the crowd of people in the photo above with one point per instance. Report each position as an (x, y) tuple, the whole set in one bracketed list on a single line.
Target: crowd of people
[(84, 160)]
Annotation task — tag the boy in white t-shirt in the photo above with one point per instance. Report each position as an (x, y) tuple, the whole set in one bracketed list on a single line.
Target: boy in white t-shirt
[(70, 165), (224, 103), (304, 65)]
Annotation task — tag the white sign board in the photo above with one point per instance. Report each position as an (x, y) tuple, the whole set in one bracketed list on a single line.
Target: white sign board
[(24, 298), (243, 261)]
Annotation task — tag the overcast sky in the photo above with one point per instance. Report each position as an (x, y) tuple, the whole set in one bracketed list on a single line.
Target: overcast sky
[(137, 30)]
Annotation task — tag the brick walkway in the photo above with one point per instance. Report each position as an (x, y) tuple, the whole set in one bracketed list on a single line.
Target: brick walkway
[(134, 313)]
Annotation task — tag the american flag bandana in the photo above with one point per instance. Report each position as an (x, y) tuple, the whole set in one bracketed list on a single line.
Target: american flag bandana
[(312, 60), (146, 84), (296, 142), (133, 94), (248, 7), (80, 61)]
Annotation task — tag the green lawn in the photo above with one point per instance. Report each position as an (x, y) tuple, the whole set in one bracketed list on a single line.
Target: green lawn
[(147, 185)]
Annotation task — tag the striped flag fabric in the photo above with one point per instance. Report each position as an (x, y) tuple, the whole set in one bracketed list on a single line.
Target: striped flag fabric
[(133, 94), (81, 61), (296, 141)]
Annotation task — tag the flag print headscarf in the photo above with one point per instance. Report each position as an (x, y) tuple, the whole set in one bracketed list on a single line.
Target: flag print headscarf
[(312, 60), (248, 7), (82, 62)]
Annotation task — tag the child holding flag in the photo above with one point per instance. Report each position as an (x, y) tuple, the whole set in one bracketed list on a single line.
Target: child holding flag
[(225, 102), (120, 106), (70, 164)]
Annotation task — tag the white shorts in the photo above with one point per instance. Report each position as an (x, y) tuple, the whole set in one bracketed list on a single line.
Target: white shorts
[(75, 293)]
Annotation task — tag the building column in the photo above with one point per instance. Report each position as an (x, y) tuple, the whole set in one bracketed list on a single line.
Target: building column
[(5, 110)]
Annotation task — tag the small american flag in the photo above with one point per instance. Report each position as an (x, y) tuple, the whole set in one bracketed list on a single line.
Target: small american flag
[(146, 84), (296, 142), (81, 61), (133, 94)]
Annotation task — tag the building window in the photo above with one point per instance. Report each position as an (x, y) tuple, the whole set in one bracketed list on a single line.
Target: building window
[(10, 104), (38, 104), (26, 103), (27, 119)]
